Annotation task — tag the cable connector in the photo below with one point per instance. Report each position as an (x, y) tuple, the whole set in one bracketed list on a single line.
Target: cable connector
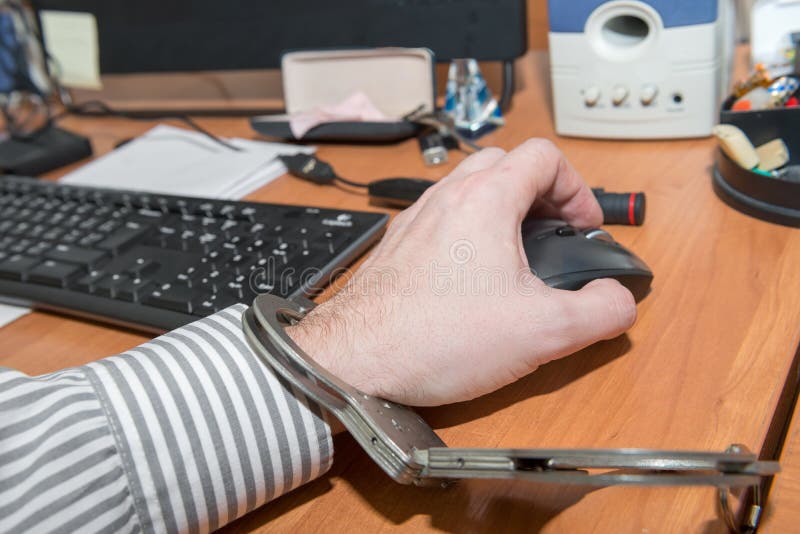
[(309, 168)]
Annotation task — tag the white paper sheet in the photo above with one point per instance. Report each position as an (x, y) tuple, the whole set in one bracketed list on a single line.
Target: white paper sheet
[(175, 161), (11, 313), (71, 40)]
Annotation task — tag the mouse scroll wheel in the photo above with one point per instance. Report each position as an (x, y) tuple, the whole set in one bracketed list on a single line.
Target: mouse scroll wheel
[(565, 231), (600, 235)]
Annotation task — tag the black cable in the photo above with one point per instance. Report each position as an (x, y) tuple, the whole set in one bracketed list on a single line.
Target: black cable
[(95, 107), (507, 91), (313, 169), (350, 182)]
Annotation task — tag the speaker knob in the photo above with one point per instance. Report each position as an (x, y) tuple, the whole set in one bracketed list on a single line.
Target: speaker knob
[(619, 94), (648, 94), (591, 96)]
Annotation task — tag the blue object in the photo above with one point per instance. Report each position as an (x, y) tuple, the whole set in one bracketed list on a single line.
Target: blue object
[(570, 16), (469, 101), (9, 52)]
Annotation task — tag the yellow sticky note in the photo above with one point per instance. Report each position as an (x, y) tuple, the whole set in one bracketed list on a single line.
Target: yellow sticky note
[(71, 40)]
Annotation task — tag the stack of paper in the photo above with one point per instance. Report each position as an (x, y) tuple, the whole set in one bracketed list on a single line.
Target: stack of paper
[(9, 313), (175, 161)]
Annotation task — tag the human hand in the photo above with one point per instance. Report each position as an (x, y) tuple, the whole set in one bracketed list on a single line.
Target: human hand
[(446, 308)]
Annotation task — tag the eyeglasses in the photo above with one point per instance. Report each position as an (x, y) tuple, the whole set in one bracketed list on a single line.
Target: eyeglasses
[(25, 114)]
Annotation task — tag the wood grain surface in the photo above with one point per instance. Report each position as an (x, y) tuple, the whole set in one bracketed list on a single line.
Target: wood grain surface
[(710, 361), (783, 513)]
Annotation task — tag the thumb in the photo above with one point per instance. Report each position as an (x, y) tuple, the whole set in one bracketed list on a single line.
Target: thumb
[(602, 309), (605, 309)]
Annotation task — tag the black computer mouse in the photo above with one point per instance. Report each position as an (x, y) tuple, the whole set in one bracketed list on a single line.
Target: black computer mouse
[(567, 258)]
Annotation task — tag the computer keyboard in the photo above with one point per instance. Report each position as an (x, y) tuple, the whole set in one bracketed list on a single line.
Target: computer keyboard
[(158, 262)]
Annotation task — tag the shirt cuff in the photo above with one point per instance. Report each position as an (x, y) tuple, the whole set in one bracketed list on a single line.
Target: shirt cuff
[(205, 430)]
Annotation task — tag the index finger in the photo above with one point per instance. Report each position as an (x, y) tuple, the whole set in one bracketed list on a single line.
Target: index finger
[(538, 171)]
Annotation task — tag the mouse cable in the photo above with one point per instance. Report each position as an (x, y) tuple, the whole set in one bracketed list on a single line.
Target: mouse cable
[(396, 192), (618, 208), (313, 169)]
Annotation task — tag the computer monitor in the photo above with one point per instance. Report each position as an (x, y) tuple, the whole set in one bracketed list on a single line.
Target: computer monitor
[(153, 36)]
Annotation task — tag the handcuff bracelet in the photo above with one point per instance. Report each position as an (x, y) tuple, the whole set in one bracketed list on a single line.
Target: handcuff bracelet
[(410, 452)]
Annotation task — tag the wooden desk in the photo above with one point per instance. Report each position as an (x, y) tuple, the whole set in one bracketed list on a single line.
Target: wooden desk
[(706, 365), (783, 514)]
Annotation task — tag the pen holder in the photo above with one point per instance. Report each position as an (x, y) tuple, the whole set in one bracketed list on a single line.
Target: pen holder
[(764, 197)]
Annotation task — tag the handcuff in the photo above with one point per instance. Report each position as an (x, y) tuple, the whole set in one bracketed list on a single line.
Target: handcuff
[(410, 452)]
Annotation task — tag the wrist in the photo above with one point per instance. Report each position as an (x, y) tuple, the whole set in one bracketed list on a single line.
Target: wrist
[(334, 339), (323, 337)]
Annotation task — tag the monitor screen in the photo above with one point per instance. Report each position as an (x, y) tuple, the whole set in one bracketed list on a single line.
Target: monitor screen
[(202, 35)]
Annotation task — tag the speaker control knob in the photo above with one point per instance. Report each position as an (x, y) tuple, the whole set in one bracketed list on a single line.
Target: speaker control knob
[(619, 94), (591, 96), (648, 94)]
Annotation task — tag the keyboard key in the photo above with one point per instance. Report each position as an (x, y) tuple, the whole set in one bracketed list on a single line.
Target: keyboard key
[(20, 246), (37, 231), (53, 234), (231, 228), (235, 244), (171, 297), (133, 289), (248, 213), (16, 267), (75, 254), (241, 263), (148, 213), (40, 217), (123, 238), (143, 267), (301, 233), (87, 283), (107, 286), (54, 273), (284, 252), (21, 228), (333, 240), (262, 281), (85, 209), (91, 239), (196, 272), (259, 247), (71, 237), (208, 241), (38, 249), (216, 259), (108, 226), (208, 208), (205, 305), (90, 223)]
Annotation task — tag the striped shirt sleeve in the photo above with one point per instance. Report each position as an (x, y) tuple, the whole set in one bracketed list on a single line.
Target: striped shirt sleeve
[(182, 434)]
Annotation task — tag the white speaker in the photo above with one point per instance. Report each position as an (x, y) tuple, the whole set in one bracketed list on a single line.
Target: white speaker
[(631, 69)]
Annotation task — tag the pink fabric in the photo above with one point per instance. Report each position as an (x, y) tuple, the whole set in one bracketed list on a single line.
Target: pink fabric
[(356, 107)]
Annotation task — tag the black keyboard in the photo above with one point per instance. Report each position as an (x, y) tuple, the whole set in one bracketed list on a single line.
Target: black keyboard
[(158, 262)]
